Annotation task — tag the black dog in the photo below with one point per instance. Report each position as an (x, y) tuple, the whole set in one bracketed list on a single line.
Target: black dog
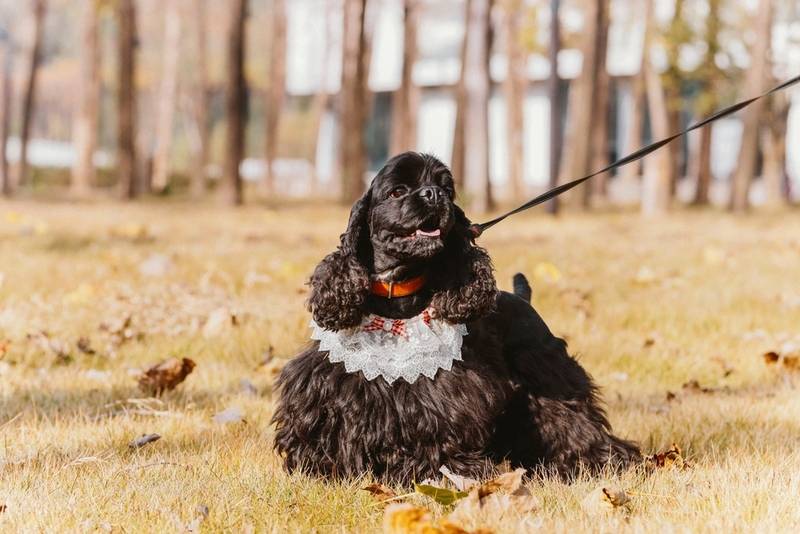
[(514, 393)]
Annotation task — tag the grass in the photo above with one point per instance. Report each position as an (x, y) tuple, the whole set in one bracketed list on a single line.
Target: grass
[(647, 305)]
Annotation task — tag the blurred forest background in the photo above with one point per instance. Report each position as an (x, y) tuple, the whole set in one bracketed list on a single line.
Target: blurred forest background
[(269, 100)]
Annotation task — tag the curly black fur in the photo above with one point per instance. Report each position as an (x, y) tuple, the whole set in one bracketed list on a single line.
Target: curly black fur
[(517, 394)]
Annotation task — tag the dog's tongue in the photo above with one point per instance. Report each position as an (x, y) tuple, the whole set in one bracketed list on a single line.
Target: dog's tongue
[(434, 233)]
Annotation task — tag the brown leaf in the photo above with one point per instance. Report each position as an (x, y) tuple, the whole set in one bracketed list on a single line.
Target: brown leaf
[(460, 482), (771, 357), (5, 345), (693, 386), (671, 458), (792, 362), (406, 518), (604, 500), (380, 492), (496, 497), (165, 376), (85, 346), (143, 440)]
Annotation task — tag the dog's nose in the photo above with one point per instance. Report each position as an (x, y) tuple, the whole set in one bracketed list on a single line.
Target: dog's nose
[(430, 194)]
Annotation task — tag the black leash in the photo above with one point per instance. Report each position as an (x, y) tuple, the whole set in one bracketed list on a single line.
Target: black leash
[(478, 228)]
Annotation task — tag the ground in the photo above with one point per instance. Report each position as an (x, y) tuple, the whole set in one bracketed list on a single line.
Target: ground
[(92, 294)]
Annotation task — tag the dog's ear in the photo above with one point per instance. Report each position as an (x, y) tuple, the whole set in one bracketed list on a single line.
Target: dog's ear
[(340, 283), (468, 289)]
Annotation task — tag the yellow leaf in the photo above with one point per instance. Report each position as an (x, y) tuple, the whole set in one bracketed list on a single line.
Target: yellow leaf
[(83, 294), (604, 500)]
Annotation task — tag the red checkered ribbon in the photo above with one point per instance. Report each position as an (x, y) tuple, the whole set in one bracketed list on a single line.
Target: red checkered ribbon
[(397, 326)]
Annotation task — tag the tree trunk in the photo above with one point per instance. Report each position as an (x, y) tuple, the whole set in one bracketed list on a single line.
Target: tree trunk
[(514, 87), (774, 148), (704, 177), (200, 102), (235, 104), (476, 116), (754, 84), (353, 113), (458, 152), (29, 98), (168, 96), (6, 186), (85, 133), (406, 98), (633, 138), (276, 93), (126, 99), (599, 137), (554, 92), (581, 108), (658, 167), (319, 106)]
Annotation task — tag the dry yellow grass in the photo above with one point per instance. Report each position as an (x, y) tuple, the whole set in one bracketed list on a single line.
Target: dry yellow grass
[(648, 305)]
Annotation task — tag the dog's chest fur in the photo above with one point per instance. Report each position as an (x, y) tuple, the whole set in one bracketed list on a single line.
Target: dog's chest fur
[(362, 425)]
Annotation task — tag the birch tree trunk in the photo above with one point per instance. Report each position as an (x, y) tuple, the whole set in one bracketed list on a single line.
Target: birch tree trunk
[(458, 152), (276, 93), (633, 137), (29, 97), (85, 128), (126, 99), (235, 104), (554, 93), (514, 87), (476, 116), (200, 103), (406, 98), (6, 185), (319, 106), (168, 96), (754, 84), (581, 107), (774, 148), (353, 113), (658, 169)]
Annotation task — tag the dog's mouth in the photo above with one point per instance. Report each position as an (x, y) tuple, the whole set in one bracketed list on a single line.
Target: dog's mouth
[(427, 230)]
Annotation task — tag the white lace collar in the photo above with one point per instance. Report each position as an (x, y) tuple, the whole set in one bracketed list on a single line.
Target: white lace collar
[(394, 348)]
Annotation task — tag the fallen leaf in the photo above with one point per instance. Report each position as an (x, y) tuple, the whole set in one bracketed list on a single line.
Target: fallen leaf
[(5, 345), (693, 386), (85, 346), (443, 496), (498, 496), (671, 458), (409, 519), (604, 500), (165, 376), (3, 508), (771, 357), (461, 483), (131, 231), (229, 415), (83, 294), (380, 492), (143, 440)]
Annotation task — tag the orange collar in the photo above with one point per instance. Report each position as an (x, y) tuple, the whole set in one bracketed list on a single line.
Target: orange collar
[(397, 289)]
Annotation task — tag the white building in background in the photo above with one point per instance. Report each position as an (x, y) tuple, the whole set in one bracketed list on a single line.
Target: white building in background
[(312, 62)]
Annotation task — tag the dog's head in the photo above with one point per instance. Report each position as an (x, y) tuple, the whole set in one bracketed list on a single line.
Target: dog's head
[(407, 217)]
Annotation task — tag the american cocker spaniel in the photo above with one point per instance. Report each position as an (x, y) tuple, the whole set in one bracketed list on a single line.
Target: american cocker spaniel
[(419, 361)]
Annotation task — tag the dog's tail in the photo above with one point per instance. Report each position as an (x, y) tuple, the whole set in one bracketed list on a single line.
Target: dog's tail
[(522, 288)]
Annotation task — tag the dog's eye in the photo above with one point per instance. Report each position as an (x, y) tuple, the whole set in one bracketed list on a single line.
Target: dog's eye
[(399, 191)]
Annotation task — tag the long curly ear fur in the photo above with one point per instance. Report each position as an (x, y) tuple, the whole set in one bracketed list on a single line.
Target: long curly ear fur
[(466, 277), (340, 283)]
